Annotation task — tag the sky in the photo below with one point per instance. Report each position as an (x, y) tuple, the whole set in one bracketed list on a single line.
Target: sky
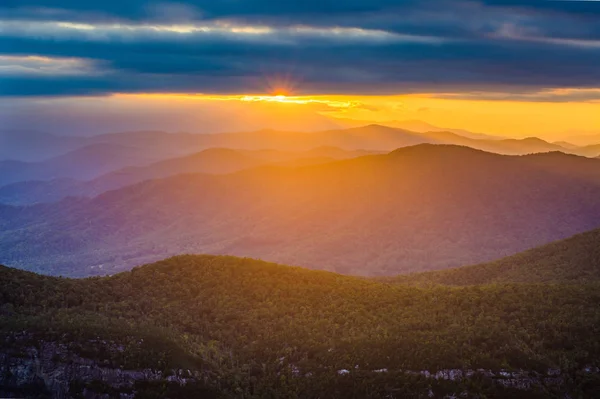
[(512, 68)]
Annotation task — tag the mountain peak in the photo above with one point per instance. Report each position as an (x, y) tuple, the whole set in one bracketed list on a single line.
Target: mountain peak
[(378, 126), (432, 148)]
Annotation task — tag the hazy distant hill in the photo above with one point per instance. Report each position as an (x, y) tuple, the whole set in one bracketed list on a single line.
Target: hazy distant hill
[(364, 138), (84, 163), (212, 161), (566, 144), (525, 146), (590, 150), (371, 137), (574, 260), (232, 327), (31, 146), (418, 208), (581, 138), (419, 126), (40, 191)]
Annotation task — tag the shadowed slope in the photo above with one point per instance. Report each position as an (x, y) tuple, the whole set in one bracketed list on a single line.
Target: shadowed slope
[(574, 260)]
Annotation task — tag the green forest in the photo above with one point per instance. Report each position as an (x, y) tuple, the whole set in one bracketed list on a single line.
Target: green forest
[(574, 260), (254, 329)]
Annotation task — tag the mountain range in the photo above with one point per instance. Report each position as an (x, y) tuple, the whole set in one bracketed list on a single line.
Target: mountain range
[(32, 146), (419, 208), (83, 163), (416, 125), (381, 221), (211, 161), (99, 164)]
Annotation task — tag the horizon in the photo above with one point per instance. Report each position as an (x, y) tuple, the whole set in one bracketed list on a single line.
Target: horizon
[(503, 68)]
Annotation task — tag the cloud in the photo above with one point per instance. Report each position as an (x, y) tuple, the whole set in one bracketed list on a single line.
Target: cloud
[(356, 46), (134, 33), (30, 65), (591, 95)]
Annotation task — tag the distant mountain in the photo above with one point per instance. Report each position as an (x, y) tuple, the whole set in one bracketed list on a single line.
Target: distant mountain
[(568, 165), (566, 144), (224, 328), (371, 137), (84, 163), (419, 126), (581, 138), (211, 161), (28, 146), (40, 191), (574, 260), (524, 146), (527, 145), (383, 138), (590, 150), (420, 208)]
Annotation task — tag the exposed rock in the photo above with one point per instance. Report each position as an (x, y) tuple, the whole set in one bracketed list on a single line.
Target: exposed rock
[(56, 369)]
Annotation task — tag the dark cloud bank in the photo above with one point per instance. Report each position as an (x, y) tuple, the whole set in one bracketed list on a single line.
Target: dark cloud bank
[(317, 46)]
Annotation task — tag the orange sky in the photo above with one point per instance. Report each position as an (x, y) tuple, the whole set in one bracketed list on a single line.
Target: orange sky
[(513, 118)]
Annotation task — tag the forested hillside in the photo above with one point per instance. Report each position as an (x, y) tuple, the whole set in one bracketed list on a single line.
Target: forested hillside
[(574, 260), (257, 329)]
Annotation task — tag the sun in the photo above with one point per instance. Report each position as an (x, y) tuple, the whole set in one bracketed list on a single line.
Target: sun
[(280, 97)]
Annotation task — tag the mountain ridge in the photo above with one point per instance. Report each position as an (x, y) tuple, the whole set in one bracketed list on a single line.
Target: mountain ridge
[(85, 162), (319, 332), (573, 260), (396, 204), (211, 161)]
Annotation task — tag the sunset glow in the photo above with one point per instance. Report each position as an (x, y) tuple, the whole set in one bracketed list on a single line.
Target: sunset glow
[(511, 118), (251, 199)]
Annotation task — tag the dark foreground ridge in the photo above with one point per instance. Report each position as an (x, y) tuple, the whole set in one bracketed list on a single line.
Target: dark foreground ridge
[(226, 327)]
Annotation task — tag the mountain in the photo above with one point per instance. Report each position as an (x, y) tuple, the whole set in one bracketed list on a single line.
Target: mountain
[(83, 163), (566, 144), (568, 165), (574, 260), (31, 146), (370, 137), (379, 137), (419, 126), (581, 138), (212, 161), (590, 150), (364, 138), (357, 137), (524, 146), (224, 327), (527, 145), (40, 191), (419, 208)]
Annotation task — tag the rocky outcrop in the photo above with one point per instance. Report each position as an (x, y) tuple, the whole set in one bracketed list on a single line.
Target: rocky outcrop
[(54, 370)]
